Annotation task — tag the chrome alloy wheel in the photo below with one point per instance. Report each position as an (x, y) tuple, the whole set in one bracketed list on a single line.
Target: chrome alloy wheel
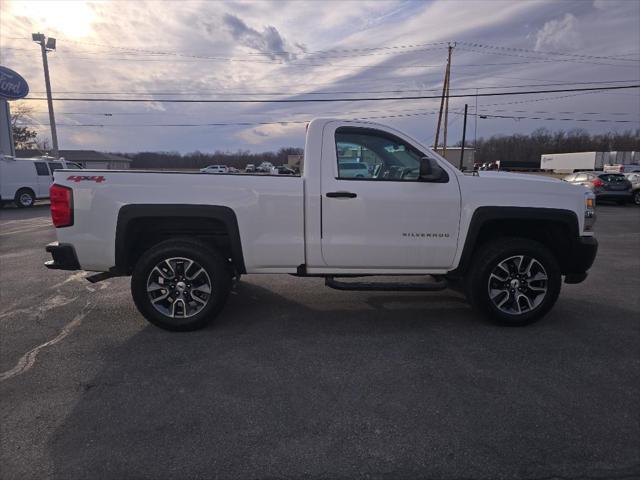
[(179, 287), (518, 285)]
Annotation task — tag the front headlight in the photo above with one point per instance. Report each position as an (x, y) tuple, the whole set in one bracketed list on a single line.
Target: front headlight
[(589, 211)]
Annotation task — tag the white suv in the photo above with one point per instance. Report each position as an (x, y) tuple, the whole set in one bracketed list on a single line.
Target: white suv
[(215, 169)]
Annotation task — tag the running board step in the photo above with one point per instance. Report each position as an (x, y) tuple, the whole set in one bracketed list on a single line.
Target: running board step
[(386, 287), (98, 277)]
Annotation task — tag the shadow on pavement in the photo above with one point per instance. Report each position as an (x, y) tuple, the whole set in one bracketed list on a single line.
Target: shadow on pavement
[(277, 389)]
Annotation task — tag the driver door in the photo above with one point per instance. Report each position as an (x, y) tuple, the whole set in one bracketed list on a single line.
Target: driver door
[(388, 219)]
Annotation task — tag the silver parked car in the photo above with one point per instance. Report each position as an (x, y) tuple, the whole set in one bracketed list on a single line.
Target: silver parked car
[(606, 186), (634, 178)]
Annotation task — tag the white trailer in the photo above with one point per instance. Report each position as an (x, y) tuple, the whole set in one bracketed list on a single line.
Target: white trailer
[(572, 162)]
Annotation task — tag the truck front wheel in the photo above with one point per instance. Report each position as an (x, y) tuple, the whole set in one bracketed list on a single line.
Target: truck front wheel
[(513, 281), (180, 285)]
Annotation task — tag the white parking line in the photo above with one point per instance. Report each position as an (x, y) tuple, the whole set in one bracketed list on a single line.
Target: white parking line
[(32, 228), (25, 221), (28, 360)]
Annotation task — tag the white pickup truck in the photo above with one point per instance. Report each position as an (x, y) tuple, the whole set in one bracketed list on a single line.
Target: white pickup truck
[(506, 240)]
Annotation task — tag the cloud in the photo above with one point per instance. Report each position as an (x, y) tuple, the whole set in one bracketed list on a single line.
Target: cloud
[(609, 4), (259, 135), (559, 34), (111, 59), (269, 41)]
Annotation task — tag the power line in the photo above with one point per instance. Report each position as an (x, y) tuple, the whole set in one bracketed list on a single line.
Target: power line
[(112, 114), (145, 52), (338, 112), (298, 122), (191, 58), (544, 99), (568, 113), (543, 59), (541, 52), (217, 92), (331, 52), (519, 117), (265, 53), (357, 99), (197, 59), (301, 65)]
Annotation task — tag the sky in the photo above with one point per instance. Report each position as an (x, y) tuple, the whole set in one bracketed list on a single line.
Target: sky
[(155, 50)]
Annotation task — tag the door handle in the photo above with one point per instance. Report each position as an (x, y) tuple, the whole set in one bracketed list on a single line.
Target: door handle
[(341, 195)]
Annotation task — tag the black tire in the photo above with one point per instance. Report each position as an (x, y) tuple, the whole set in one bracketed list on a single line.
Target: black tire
[(218, 275), (25, 198), (636, 197), (509, 249)]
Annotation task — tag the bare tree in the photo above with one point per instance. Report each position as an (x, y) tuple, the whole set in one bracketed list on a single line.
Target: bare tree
[(525, 150), (23, 136)]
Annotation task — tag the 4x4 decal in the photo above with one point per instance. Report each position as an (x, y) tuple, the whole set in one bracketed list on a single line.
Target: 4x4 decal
[(86, 178)]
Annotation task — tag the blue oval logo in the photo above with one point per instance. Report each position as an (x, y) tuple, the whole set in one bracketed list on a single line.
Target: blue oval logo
[(12, 85)]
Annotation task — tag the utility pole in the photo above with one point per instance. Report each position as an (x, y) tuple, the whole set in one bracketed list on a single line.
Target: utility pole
[(464, 136), (446, 116), (445, 90), (45, 48), (475, 127)]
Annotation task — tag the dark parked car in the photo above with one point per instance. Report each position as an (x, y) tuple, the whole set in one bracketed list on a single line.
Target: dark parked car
[(606, 186), (282, 170), (634, 178)]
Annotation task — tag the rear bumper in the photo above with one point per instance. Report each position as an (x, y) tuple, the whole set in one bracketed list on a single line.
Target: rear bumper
[(63, 257), (613, 195), (582, 254)]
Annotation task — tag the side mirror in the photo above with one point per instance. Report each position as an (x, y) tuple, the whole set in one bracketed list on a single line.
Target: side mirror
[(425, 167), (430, 171)]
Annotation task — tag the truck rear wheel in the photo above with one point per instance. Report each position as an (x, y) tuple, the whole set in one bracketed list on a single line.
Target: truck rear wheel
[(180, 285), (514, 281)]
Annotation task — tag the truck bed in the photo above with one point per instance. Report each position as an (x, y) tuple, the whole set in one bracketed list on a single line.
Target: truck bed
[(269, 210)]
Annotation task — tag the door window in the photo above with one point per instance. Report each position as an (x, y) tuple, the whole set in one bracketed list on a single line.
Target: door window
[(55, 166), (41, 169), (368, 154)]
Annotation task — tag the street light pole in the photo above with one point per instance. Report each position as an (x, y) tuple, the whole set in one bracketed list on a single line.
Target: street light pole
[(50, 45)]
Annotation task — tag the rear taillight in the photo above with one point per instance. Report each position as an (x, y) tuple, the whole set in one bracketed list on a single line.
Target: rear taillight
[(61, 205), (597, 182)]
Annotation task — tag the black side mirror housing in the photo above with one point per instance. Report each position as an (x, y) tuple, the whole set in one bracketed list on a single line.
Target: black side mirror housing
[(425, 167), (430, 171)]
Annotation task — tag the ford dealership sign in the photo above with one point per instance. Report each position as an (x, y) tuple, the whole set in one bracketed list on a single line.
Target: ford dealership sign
[(12, 85)]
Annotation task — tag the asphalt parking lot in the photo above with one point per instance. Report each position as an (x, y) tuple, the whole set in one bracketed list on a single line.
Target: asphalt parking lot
[(295, 380)]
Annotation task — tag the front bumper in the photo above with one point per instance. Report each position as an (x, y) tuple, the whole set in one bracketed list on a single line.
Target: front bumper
[(582, 254), (64, 257)]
